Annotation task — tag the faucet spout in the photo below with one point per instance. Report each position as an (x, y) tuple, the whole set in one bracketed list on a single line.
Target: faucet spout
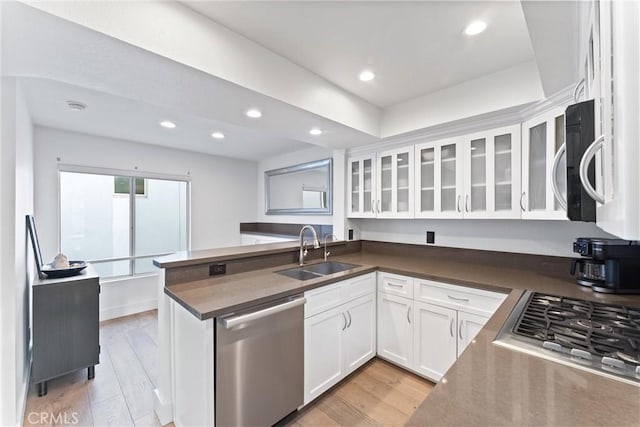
[(333, 237), (303, 250)]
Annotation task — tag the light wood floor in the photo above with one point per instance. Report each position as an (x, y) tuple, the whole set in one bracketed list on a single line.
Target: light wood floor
[(378, 394), (121, 393)]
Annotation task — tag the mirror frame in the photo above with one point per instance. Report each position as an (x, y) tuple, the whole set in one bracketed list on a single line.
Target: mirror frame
[(328, 210)]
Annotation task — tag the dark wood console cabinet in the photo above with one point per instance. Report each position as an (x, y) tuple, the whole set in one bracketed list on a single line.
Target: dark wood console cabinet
[(65, 326)]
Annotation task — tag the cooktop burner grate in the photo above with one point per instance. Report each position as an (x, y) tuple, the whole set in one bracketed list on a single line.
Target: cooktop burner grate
[(602, 330)]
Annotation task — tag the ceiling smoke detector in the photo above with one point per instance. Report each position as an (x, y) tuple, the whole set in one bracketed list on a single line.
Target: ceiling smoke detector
[(76, 105)]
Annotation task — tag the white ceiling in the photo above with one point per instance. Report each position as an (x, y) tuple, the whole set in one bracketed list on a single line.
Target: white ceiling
[(122, 118), (129, 90), (414, 48)]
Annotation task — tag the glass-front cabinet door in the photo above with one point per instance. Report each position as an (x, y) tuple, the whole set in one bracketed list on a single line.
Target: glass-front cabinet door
[(438, 178), (492, 173), (394, 184), (361, 185), (542, 138)]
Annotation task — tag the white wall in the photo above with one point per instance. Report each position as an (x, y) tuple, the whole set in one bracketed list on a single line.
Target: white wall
[(522, 236), (506, 88), (16, 259), (223, 194)]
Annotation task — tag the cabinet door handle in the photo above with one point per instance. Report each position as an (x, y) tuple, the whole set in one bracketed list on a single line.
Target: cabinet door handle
[(451, 328), (373, 211), (554, 173), (344, 317), (458, 204), (393, 285), (577, 90), (460, 330), (466, 203), (378, 206), (409, 314), (458, 299), (521, 199), (584, 166), (349, 313)]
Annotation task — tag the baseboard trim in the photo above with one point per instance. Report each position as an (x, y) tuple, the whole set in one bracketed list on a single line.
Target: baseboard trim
[(25, 392), (163, 410), (128, 309)]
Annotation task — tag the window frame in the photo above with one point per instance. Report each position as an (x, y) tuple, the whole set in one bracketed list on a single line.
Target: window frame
[(132, 210)]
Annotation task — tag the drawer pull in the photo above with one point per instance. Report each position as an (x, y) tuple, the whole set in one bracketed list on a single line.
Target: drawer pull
[(394, 285), (459, 299)]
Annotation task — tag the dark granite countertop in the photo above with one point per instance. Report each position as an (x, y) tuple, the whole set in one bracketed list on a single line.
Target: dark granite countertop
[(488, 385)]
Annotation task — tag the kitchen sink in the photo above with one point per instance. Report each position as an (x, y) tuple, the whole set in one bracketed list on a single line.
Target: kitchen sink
[(313, 271)]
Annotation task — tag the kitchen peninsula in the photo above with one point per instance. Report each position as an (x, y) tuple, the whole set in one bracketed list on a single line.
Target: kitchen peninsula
[(487, 384)]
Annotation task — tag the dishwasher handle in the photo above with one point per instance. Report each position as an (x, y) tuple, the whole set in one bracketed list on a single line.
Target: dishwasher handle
[(230, 322)]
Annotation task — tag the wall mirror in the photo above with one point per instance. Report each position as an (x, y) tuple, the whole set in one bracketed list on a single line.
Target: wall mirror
[(304, 189)]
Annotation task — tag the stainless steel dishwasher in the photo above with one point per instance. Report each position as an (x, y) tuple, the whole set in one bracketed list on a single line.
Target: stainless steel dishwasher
[(260, 363)]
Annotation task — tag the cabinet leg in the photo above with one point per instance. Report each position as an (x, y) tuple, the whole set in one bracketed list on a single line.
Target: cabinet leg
[(42, 388), (91, 372)]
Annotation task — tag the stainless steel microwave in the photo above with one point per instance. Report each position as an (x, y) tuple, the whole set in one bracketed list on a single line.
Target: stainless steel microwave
[(580, 134)]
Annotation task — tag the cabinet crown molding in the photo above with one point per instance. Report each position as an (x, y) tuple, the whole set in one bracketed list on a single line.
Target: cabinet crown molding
[(495, 119)]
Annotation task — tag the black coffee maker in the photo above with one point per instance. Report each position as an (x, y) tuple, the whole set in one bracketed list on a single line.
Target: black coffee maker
[(607, 265)]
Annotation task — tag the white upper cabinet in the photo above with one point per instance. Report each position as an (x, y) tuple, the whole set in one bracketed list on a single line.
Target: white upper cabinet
[(361, 178), (381, 186), (394, 184), (615, 151), (492, 180), (542, 139), (439, 179), (472, 176)]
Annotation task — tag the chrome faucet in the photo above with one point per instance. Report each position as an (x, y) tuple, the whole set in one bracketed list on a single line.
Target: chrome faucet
[(303, 245), (333, 237)]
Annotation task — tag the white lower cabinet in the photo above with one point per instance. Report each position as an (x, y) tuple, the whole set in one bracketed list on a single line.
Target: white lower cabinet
[(440, 336), (341, 338), (323, 352), (429, 330), (468, 327), (434, 338), (359, 337), (395, 329), (417, 324)]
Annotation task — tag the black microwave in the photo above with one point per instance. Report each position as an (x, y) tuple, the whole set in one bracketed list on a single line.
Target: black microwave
[(580, 134)]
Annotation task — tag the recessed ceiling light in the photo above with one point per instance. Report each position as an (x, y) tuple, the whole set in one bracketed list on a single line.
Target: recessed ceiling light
[(217, 135), (366, 76), (315, 131), (168, 124), (76, 105), (475, 28), (254, 113)]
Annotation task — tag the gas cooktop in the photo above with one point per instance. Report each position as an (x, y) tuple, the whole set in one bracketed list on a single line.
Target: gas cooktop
[(592, 336)]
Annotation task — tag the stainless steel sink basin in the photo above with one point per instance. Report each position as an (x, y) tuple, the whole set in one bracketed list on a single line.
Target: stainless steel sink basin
[(313, 271)]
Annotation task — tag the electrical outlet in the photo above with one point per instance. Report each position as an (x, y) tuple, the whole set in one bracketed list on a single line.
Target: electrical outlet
[(217, 269), (431, 236), (350, 234)]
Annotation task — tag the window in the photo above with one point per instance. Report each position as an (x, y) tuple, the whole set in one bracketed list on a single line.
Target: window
[(120, 223), (121, 185)]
